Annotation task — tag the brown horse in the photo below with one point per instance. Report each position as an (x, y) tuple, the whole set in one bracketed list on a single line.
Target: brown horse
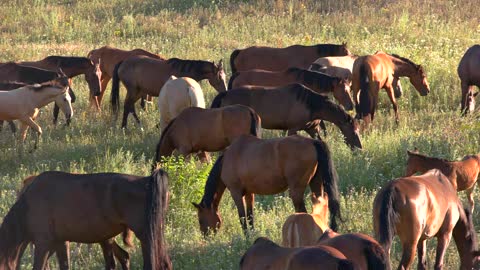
[(360, 248), (107, 57), (278, 59), (86, 208), (417, 208), (469, 72), (318, 82), (268, 166), (374, 72), (292, 107), (462, 174), (196, 129), (265, 255), (302, 229), (144, 75)]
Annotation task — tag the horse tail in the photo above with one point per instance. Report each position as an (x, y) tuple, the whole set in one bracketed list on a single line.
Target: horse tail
[(115, 98), (387, 217), (158, 155), (156, 204), (13, 234), (127, 236), (217, 101), (326, 175), (365, 103), (232, 60), (346, 265), (376, 257), (232, 78), (255, 124)]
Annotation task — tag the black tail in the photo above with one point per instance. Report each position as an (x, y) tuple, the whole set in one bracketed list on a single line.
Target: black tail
[(159, 156), (232, 60), (386, 230), (255, 124), (217, 101), (364, 104), (115, 98), (230, 82), (326, 175), (13, 234), (157, 204), (376, 257)]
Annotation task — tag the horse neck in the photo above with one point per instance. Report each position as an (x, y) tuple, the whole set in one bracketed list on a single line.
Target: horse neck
[(44, 97), (402, 68), (465, 245), (327, 111), (316, 82)]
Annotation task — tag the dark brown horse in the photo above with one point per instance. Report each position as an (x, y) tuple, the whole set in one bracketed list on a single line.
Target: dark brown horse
[(318, 82), (463, 174), (469, 73), (107, 57), (196, 129), (86, 208), (374, 72), (293, 107), (143, 75), (279, 59), (259, 166), (420, 207), (267, 255)]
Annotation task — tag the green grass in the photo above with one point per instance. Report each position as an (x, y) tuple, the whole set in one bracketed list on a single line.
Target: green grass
[(432, 33)]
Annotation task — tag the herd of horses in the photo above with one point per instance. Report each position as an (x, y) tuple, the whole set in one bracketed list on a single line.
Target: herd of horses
[(272, 88)]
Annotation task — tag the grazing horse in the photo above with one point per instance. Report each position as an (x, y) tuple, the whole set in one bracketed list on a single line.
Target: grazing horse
[(278, 59), (23, 103), (265, 255), (293, 107), (268, 166), (360, 248), (469, 73), (342, 66), (417, 208), (176, 95), (196, 129), (112, 202), (144, 75), (374, 72), (318, 82), (462, 174), (107, 57), (302, 229)]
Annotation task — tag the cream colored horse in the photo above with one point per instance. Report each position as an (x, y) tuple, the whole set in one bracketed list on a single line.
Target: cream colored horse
[(302, 229), (23, 104), (176, 95)]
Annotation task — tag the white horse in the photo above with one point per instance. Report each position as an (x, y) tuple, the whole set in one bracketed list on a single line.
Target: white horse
[(23, 104), (176, 95)]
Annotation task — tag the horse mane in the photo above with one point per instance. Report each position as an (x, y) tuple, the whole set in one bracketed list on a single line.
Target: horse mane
[(212, 181), (406, 60), (265, 240), (328, 48), (313, 77), (68, 61), (418, 155), (197, 66), (10, 85), (60, 83)]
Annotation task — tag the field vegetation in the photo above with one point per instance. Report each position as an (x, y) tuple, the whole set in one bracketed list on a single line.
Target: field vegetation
[(433, 33)]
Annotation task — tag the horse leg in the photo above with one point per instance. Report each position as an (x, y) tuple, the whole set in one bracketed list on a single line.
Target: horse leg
[(107, 251), (42, 250), (56, 110), (296, 194), (422, 259), (465, 90), (249, 200), (63, 250), (239, 202), (394, 102), (96, 101), (122, 256), (128, 107), (470, 197), (204, 157), (442, 244), (13, 128)]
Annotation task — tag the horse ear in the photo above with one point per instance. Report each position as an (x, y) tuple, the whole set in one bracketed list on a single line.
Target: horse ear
[(220, 64), (344, 44), (474, 95)]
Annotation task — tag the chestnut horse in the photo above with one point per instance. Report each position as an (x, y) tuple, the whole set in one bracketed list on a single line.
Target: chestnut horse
[(279, 59), (374, 72), (360, 248), (318, 82), (268, 166), (144, 75), (469, 73), (302, 229), (462, 174), (266, 255), (112, 202), (292, 107), (196, 129), (107, 57), (417, 208)]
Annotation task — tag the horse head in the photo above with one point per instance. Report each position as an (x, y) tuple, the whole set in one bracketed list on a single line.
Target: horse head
[(419, 81), (341, 92), (219, 79), (93, 77), (470, 102), (208, 218)]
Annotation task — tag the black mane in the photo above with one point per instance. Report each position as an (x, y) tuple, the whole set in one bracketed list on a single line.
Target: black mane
[(68, 61), (313, 79), (427, 157), (406, 60), (191, 68), (324, 50)]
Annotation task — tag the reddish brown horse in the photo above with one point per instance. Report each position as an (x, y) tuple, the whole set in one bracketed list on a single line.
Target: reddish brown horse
[(318, 82), (462, 174), (279, 59), (374, 72), (143, 75), (417, 208), (259, 166), (107, 57), (86, 208), (265, 255), (469, 72), (293, 107)]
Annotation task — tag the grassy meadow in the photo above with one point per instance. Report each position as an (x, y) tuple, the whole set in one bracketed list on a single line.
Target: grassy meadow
[(432, 33)]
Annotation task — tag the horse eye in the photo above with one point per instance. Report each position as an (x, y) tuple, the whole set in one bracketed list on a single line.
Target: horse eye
[(64, 99)]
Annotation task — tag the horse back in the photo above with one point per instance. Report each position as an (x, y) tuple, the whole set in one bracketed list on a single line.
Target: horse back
[(302, 229), (144, 74)]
